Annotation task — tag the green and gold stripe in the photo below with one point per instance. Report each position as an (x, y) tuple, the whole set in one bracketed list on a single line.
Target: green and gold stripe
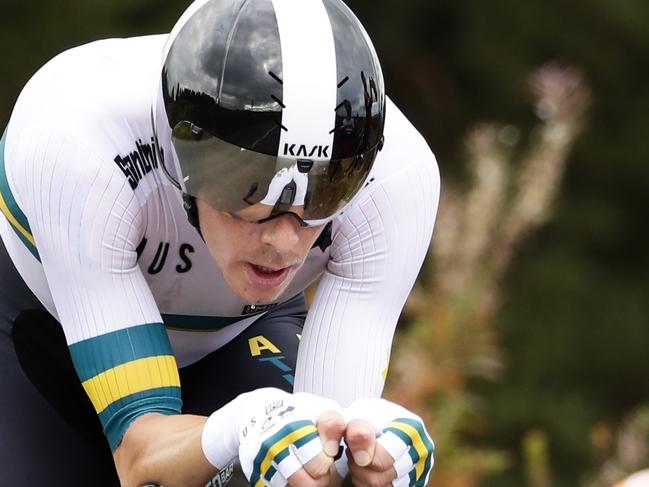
[(420, 449), (131, 378), (127, 373), (199, 323), (276, 448), (10, 208)]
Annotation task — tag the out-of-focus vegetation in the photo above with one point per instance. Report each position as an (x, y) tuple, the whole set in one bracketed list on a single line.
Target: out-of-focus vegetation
[(525, 341), (451, 338), (536, 386)]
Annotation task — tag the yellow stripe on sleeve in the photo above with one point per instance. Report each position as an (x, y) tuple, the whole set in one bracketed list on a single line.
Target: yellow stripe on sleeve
[(418, 444), (130, 378), (16, 224)]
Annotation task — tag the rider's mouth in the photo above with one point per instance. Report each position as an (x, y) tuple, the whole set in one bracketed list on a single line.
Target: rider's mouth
[(266, 277)]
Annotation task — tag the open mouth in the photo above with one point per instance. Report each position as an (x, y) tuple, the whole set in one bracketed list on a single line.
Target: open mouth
[(266, 277), (266, 270)]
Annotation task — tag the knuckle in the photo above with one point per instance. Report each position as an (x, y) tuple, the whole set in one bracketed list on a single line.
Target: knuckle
[(338, 422), (323, 480), (383, 463), (376, 481), (357, 480), (362, 476), (331, 416), (359, 424), (359, 434), (302, 483), (355, 470), (331, 423), (300, 480), (319, 466)]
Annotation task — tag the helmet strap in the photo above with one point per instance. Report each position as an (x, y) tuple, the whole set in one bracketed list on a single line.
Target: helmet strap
[(189, 204), (324, 239)]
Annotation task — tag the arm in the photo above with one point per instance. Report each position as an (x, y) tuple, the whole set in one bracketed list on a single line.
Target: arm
[(259, 427), (164, 449), (275, 435), (87, 223), (377, 251)]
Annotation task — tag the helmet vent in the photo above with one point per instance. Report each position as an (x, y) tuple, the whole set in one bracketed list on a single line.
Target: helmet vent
[(275, 77), (279, 124), (279, 102), (342, 104)]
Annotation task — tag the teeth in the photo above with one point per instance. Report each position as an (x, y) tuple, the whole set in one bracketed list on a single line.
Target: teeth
[(265, 270)]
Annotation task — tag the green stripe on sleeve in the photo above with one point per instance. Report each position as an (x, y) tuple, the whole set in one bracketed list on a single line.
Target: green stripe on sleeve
[(104, 352), (118, 416), (97, 355), (9, 207), (200, 323)]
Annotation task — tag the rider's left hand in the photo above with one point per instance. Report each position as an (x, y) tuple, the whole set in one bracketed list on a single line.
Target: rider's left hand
[(386, 445)]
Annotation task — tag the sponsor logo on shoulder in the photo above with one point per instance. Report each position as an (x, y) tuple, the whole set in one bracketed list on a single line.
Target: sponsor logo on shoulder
[(138, 163)]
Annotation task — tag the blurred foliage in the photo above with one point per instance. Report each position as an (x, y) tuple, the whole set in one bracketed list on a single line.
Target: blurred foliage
[(537, 384), (452, 336), (630, 448), (572, 328)]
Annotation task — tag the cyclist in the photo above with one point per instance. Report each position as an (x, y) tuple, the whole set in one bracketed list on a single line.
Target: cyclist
[(167, 200)]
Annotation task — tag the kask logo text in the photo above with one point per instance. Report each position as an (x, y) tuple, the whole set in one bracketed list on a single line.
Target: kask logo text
[(301, 150)]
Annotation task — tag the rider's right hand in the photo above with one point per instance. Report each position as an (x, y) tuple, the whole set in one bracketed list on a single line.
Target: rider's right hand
[(282, 438), (291, 439)]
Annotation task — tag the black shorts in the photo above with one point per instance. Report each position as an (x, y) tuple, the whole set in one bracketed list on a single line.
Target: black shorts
[(50, 433)]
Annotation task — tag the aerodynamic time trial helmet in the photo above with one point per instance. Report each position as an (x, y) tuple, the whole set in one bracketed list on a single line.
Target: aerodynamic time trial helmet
[(272, 107)]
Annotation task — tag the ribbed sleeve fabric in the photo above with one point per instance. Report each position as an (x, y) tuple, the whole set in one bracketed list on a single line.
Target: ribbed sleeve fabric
[(377, 252), (87, 224)]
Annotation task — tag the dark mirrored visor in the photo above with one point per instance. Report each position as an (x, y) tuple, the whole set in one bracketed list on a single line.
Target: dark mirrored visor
[(259, 186)]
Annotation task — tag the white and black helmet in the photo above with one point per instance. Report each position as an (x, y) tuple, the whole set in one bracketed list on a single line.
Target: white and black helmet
[(273, 104)]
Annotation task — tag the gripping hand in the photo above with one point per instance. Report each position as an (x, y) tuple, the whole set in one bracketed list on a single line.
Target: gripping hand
[(386, 444), (289, 438)]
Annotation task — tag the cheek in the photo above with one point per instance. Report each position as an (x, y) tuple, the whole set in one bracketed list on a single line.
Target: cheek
[(240, 240), (221, 242)]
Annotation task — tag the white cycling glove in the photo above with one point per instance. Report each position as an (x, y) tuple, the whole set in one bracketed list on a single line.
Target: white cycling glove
[(273, 432), (402, 433)]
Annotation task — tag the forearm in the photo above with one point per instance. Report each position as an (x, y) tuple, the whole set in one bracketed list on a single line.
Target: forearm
[(165, 450)]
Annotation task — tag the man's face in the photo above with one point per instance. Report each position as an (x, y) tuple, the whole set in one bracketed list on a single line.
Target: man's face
[(258, 261)]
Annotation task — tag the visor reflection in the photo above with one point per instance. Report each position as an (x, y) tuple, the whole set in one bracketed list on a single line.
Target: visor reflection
[(257, 186), (286, 194)]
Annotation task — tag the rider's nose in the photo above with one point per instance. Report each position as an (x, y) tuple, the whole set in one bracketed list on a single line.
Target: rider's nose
[(281, 233)]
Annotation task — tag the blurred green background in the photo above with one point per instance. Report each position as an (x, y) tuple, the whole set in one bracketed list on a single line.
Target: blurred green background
[(567, 333)]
